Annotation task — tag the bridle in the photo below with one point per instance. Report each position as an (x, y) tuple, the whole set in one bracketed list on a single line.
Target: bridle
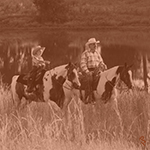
[(117, 87), (70, 80)]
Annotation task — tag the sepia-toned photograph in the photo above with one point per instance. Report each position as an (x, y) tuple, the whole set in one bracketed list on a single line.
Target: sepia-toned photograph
[(74, 74)]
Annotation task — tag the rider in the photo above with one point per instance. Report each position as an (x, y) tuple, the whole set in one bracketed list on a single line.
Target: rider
[(90, 60), (38, 63)]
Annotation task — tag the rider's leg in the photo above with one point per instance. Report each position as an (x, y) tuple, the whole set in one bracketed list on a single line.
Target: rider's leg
[(31, 79), (88, 91), (34, 75)]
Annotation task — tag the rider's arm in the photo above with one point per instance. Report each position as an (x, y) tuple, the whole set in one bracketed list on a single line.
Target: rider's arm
[(39, 59), (101, 63), (99, 55), (42, 60), (84, 63)]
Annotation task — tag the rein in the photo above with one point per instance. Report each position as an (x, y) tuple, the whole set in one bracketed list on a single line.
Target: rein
[(117, 87), (69, 87)]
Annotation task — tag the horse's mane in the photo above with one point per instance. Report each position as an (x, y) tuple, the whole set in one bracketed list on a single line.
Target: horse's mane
[(58, 67)]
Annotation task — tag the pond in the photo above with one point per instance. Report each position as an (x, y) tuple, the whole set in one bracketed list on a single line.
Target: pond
[(62, 46)]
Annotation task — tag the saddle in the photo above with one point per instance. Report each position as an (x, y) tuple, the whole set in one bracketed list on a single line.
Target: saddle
[(84, 82), (37, 80), (23, 78), (83, 79), (38, 83)]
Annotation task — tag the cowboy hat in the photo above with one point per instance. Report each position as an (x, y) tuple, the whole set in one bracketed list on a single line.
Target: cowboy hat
[(91, 41), (35, 49)]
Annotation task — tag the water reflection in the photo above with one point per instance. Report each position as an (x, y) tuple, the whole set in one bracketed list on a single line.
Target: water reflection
[(64, 46)]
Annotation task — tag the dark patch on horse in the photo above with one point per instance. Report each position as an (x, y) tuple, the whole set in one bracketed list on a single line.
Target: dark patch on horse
[(109, 85), (56, 93), (124, 75), (20, 90), (37, 95), (70, 66), (71, 76), (21, 79), (120, 70), (70, 73), (45, 79)]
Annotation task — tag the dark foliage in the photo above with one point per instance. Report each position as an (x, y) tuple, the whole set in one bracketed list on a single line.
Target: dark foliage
[(51, 10)]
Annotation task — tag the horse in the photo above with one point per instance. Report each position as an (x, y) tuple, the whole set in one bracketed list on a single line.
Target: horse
[(51, 85), (108, 82), (106, 86)]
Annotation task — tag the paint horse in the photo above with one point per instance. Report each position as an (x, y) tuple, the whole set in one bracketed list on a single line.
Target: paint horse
[(108, 81), (51, 85), (106, 86)]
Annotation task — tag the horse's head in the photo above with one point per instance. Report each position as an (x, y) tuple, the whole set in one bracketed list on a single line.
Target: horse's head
[(125, 75), (72, 75)]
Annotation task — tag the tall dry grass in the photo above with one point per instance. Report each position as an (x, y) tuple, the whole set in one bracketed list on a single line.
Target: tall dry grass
[(38, 127)]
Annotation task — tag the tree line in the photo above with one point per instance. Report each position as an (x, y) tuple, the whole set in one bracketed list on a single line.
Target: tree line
[(43, 10), (79, 12)]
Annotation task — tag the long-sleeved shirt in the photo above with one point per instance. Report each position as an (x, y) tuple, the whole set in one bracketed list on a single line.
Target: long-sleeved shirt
[(37, 61), (90, 60)]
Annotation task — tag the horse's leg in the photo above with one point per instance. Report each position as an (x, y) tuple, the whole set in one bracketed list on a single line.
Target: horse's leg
[(65, 110), (82, 96), (16, 104), (20, 90), (16, 100), (25, 103), (115, 107), (15, 95), (68, 97), (26, 97), (80, 115)]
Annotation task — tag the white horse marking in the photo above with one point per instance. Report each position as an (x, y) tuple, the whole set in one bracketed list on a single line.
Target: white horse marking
[(54, 77)]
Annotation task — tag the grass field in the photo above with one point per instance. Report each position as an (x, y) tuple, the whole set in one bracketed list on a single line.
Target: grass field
[(37, 127)]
